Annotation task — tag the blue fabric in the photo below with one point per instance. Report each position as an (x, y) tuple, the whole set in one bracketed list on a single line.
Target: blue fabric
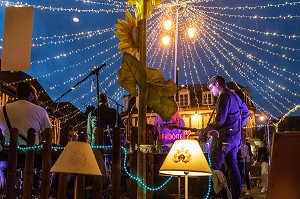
[(226, 153), (231, 115)]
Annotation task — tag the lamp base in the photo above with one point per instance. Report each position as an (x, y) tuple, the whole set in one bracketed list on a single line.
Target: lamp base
[(186, 185)]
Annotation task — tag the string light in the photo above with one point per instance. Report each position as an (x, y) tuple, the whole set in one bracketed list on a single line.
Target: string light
[(63, 55), (60, 148), (246, 68), (240, 39), (248, 7), (75, 37), (51, 8)]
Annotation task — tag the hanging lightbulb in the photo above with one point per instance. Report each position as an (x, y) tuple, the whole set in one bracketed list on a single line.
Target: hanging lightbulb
[(196, 116), (191, 32), (262, 118), (168, 24), (166, 40)]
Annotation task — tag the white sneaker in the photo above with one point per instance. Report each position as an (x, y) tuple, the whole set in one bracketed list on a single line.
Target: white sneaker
[(263, 190), (248, 193)]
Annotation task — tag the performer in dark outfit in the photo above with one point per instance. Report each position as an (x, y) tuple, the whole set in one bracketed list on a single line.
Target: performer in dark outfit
[(108, 117), (231, 115)]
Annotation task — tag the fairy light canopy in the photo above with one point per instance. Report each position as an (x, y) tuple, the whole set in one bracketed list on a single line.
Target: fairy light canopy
[(236, 39)]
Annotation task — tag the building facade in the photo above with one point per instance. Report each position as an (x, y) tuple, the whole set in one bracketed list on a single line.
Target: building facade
[(196, 104)]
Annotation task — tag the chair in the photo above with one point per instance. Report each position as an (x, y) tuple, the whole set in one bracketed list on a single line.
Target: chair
[(255, 175)]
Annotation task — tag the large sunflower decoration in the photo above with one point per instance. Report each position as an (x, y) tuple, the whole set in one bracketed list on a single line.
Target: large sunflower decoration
[(127, 28), (131, 75), (127, 34), (160, 91), (151, 5)]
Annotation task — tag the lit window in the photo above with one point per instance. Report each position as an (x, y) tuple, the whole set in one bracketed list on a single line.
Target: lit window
[(247, 98), (184, 98), (207, 99)]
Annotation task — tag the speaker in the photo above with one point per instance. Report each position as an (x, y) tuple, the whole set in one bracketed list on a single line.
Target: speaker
[(285, 166), (198, 186)]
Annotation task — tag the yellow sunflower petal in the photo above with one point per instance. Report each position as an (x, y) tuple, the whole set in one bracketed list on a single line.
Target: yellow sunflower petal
[(123, 24), (125, 33), (129, 18), (123, 44), (131, 2)]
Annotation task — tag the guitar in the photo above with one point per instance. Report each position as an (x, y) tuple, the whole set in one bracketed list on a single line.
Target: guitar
[(203, 134)]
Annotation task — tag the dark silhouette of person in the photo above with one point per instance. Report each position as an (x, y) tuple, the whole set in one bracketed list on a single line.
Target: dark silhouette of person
[(109, 118), (244, 162)]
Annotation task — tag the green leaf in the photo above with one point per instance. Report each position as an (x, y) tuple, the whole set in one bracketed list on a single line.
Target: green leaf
[(132, 74), (164, 106), (160, 92), (155, 78)]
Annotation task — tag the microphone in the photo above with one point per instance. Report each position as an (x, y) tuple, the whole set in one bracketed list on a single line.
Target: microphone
[(96, 71), (92, 85)]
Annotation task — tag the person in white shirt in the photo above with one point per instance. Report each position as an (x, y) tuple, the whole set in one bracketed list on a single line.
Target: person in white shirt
[(23, 114)]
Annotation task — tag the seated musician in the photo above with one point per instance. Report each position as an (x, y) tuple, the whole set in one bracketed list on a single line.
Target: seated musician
[(167, 136), (23, 114)]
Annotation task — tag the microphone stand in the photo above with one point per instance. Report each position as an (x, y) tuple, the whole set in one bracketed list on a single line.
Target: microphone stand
[(95, 71)]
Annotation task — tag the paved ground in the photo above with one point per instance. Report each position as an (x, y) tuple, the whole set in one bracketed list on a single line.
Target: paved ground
[(255, 193)]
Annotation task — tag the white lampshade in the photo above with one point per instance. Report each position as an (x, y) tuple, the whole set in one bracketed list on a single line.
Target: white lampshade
[(185, 158), (77, 158)]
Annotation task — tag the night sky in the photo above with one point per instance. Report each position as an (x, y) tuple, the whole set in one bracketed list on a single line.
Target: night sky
[(255, 43)]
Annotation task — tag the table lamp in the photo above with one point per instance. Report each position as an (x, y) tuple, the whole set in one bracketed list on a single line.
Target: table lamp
[(77, 158), (185, 158)]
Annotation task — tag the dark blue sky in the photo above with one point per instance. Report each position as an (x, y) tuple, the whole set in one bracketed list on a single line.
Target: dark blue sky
[(255, 43)]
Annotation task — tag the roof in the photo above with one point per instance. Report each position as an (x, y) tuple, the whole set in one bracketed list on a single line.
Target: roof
[(197, 90), (9, 80)]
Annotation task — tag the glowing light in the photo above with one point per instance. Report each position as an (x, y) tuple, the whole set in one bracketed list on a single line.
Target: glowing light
[(166, 40), (191, 32), (168, 24), (75, 19), (262, 118), (196, 117)]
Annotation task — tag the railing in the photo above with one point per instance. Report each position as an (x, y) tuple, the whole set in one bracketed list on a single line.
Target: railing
[(48, 157)]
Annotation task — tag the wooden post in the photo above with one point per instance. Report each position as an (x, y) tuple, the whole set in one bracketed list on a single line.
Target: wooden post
[(98, 180), (46, 163), (29, 164), (150, 161), (62, 186), (142, 120), (12, 164), (133, 163), (63, 177), (80, 177), (116, 164)]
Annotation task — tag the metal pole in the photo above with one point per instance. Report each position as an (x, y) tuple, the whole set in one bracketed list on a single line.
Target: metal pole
[(175, 50), (186, 182), (268, 140), (179, 194)]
